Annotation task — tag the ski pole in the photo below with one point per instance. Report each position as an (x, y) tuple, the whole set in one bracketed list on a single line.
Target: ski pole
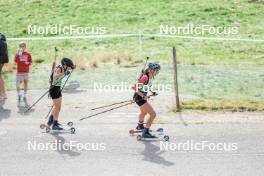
[(61, 90), (142, 71), (121, 102), (52, 69), (132, 101), (36, 102), (49, 111), (100, 107), (55, 58), (147, 58), (43, 96), (53, 66)]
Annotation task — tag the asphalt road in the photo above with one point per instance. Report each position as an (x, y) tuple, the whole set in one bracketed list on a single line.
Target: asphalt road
[(110, 150)]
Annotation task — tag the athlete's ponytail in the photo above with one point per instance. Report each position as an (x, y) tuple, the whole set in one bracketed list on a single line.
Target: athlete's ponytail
[(146, 71)]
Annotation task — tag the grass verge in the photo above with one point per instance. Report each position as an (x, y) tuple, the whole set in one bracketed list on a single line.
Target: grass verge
[(222, 105)]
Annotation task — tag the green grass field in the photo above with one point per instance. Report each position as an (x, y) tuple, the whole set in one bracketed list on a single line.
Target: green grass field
[(216, 70), (145, 16)]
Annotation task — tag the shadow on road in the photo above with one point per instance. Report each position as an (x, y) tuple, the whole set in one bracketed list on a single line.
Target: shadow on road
[(4, 113), (62, 151), (152, 154)]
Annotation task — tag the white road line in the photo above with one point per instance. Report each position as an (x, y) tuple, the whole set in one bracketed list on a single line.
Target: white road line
[(205, 38), (74, 37), (136, 35)]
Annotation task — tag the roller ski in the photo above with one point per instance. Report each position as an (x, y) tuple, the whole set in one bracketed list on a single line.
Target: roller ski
[(54, 126), (140, 127), (58, 128), (158, 131), (147, 136)]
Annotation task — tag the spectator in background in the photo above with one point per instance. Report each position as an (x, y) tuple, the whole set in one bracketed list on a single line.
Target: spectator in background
[(3, 60), (23, 60)]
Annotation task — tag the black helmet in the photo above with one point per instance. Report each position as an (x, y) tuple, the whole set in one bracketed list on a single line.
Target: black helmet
[(2, 37), (154, 66), (68, 62)]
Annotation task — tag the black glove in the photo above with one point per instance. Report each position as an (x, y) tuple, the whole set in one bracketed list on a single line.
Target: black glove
[(67, 73)]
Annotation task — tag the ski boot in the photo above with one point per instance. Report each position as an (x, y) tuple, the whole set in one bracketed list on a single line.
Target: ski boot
[(56, 126), (50, 121), (140, 126), (146, 134)]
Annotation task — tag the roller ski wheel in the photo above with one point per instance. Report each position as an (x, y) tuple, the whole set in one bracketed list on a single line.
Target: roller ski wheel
[(42, 126), (131, 132), (70, 124), (139, 137), (72, 130), (166, 138), (48, 129)]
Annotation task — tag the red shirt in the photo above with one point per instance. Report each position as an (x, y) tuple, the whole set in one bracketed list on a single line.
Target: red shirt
[(144, 79), (23, 62)]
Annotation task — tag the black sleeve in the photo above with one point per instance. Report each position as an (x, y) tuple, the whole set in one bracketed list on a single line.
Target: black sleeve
[(3, 53)]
